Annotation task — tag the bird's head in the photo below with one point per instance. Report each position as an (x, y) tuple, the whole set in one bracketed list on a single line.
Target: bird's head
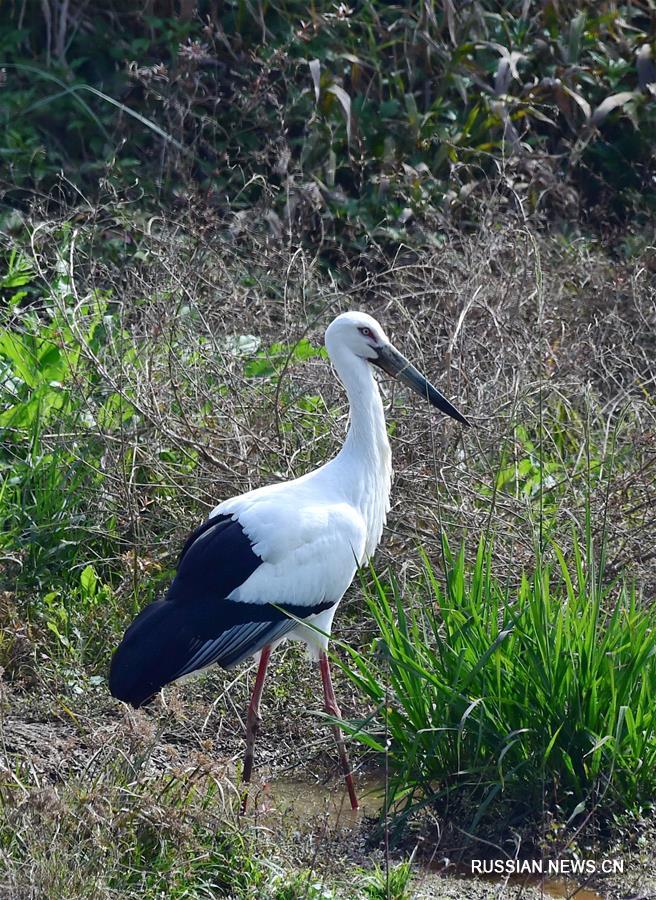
[(361, 335)]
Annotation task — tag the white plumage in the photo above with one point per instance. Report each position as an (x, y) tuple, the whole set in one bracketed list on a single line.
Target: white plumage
[(313, 533)]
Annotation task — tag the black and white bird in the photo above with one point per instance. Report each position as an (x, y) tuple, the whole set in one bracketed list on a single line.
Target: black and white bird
[(267, 562)]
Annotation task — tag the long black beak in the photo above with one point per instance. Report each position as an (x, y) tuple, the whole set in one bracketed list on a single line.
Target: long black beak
[(394, 363)]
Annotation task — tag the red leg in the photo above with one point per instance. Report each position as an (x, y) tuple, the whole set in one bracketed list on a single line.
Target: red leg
[(333, 709), (253, 720)]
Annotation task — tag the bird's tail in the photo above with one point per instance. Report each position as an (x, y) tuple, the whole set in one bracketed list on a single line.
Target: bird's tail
[(182, 634), (152, 652)]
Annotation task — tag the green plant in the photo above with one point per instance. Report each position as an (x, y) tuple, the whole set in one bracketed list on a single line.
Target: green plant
[(539, 692), (304, 885), (382, 121), (389, 883)]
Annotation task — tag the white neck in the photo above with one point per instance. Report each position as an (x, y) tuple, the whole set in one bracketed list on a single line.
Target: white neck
[(364, 464)]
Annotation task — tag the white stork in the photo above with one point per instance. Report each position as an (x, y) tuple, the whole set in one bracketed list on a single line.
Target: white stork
[(269, 561)]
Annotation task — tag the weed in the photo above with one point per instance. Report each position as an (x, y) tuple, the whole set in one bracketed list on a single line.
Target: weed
[(389, 883)]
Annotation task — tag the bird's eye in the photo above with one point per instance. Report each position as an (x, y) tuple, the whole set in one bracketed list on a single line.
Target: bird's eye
[(365, 331)]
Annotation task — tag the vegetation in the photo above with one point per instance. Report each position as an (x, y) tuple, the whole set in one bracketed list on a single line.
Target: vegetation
[(389, 884), (124, 833), (188, 195), (121, 392), (533, 695), (341, 125)]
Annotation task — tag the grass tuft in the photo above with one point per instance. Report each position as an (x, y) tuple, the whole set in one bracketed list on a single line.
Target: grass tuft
[(389, 883), (536, 693)]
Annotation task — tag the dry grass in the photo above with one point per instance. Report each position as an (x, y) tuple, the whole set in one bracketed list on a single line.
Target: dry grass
[(520, 329), (546, 343)]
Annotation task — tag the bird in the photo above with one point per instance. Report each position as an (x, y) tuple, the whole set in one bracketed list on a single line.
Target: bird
[(274, 563)]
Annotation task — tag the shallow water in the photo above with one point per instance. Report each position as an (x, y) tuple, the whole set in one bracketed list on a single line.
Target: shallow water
[(306, 801), (558, 888), (549, 887)]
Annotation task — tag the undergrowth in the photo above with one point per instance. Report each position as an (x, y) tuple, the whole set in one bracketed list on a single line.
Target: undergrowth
[(134, 397), (114, 835)]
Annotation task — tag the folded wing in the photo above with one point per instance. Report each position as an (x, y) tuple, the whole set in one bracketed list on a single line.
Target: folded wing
[(200, 622)]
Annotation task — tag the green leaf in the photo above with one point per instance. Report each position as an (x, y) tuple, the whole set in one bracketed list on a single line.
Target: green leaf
[(88, 581)]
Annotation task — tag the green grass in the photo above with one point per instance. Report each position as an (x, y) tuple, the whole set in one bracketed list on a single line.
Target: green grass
[(389, 883), (538, 690)]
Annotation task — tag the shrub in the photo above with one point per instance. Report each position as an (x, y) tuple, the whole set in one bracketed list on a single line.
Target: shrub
[(381, 121)]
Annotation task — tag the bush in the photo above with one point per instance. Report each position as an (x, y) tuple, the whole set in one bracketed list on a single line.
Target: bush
[(380, 122)]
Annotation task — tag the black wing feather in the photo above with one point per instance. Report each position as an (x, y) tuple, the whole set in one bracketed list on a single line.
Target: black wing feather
[(195, 625)]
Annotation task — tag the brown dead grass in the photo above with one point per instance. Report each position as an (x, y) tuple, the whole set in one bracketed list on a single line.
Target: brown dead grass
[(517, 327)]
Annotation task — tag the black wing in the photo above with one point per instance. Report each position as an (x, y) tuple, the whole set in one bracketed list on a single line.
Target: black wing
[(195, 625), (217, 557)]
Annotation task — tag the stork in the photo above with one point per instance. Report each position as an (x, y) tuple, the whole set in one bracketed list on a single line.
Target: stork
[(275, 562)]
